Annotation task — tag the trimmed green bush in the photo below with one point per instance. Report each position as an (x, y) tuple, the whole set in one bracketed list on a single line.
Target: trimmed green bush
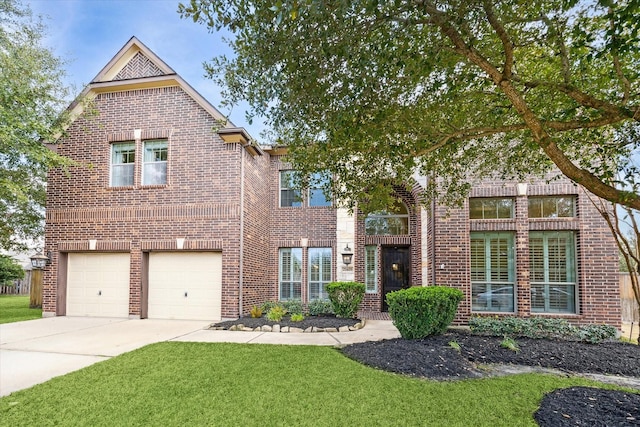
[(345, 298), (419, 311), (318, 307)]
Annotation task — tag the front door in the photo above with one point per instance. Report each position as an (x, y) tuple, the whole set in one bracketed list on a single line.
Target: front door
[(396, 271)]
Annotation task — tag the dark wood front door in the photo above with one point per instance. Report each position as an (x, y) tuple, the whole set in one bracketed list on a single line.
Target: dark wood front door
[(396, 271)]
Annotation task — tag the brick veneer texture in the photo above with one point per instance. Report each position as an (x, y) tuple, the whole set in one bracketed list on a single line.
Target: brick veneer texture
[(201, 200)]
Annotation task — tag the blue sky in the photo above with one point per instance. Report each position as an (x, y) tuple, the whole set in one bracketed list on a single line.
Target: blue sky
[(88, 33)]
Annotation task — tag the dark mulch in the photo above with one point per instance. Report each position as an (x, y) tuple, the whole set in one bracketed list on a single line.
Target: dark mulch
[(586, 406), (434, 358), (317, 321)]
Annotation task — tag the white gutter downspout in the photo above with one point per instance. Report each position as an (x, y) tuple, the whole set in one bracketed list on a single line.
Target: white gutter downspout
[(241, 261)]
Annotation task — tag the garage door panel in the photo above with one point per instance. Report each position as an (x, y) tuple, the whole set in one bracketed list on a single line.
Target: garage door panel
[(98, 284), (196, 274)]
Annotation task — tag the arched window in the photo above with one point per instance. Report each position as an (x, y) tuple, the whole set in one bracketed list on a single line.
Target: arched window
[(394, 221)]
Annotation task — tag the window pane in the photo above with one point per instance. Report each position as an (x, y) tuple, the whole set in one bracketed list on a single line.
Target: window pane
[(551, 207), (553, 272), (393, 222), (317, 196), (370, 269), (290, 266), (289, 196), (492, 272), (492, 297), (319, 272), (481, 208), (123, 156), (155, 163)]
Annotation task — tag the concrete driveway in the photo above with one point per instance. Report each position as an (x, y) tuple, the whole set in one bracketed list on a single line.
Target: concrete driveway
[(35, 351)]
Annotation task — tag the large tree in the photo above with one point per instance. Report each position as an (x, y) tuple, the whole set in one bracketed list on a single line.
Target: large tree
[(374, 90), (32, 97)]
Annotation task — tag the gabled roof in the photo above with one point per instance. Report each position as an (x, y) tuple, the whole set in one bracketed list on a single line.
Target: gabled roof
[(135, 66)]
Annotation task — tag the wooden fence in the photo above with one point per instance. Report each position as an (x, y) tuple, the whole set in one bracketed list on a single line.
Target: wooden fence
[(19, 287), (628, 300)]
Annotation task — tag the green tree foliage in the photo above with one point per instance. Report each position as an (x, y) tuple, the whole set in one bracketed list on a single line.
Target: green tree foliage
[(32, 97), (10, 270), (375, 90)]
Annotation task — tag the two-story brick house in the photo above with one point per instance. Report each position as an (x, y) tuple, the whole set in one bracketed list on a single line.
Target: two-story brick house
[(173, 213)]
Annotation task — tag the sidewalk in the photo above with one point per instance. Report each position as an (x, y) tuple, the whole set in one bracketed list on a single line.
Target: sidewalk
[(373, 330)]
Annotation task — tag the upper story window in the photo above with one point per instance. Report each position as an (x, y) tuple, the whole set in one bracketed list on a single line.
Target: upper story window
[(394, 221), (552, 207), (290, 196), (317, 192), (494, 208), (154, 170), (123, 158)]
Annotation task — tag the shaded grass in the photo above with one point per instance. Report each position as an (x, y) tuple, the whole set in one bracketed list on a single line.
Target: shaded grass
[(15, 308), (222, 384)]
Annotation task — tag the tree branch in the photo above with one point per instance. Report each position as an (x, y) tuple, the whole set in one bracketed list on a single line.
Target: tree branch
[(507, 45)]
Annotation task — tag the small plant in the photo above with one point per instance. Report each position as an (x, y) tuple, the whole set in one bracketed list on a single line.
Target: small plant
[(293, 306), (510, 344), (297, 317), (255, 312), (345, 298), (276, 313), (594, 334), (454, 345), (268, 305), (319, 307)]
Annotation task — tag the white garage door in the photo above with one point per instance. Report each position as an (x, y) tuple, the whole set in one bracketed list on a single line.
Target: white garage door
[(98, 284), (185, 285)]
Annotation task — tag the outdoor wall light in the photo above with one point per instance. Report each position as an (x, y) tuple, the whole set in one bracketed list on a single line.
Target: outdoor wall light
[(40, 261), (394, 266), (347, 255)]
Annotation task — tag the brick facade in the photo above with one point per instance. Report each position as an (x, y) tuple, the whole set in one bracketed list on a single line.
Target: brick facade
[(222, 195)]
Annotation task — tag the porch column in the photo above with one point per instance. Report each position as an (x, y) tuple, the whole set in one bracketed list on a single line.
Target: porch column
[(345, 235)]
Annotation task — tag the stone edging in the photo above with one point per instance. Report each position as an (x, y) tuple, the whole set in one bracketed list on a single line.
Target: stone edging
[(289, 329)]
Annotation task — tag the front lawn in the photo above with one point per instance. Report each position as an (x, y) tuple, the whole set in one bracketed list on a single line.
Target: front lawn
[(15, 308), (180, 384)]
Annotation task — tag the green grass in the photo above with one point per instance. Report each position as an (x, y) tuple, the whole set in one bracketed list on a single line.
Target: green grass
[(203, 384), (15, 308)]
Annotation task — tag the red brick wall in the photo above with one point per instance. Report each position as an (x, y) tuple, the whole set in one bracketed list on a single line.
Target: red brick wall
[(288, 225), (200, 202), (596, 257)]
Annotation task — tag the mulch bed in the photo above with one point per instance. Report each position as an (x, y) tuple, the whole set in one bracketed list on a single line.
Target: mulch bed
[(434, 358)]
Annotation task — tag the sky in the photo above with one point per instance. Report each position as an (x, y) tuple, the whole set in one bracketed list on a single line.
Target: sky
[(88, 33)]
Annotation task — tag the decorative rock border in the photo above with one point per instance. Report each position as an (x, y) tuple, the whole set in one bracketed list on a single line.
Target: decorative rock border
[(289, 329)]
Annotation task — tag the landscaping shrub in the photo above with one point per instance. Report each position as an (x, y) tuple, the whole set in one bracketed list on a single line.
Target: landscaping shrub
[(540, 327), (594, 334), (319, 307), (422, 311), (297, 317), (345, 298), (268, 305), (255, 312), (276, 313), (293, 306)]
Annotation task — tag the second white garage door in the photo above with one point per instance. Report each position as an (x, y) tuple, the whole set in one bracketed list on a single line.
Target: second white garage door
[(185, 285)]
